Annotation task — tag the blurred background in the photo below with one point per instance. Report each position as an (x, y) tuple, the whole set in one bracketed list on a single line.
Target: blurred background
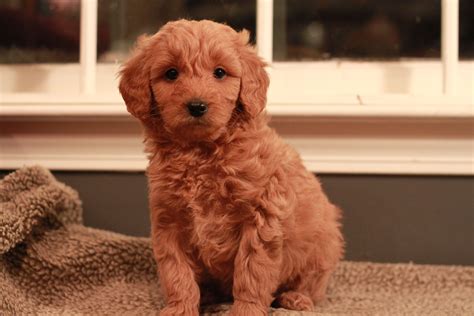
[(48, 30)]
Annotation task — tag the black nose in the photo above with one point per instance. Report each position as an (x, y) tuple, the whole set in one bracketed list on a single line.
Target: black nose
[(197, 108)]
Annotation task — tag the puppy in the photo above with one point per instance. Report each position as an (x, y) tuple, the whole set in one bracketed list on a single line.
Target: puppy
[(232, 207)]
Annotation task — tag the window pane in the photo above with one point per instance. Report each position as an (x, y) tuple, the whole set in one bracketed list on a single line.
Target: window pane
[(466, 29), (39, 31), (356, 29), (122, 21)]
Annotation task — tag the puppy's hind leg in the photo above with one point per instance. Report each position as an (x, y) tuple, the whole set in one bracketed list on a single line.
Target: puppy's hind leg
[(317, 285)]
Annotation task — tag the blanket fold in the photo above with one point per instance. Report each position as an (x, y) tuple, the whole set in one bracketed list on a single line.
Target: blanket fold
[(50, 264), (30, 197)]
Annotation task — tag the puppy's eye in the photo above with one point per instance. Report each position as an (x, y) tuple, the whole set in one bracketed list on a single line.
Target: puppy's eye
[(171, 74), (219, 73)]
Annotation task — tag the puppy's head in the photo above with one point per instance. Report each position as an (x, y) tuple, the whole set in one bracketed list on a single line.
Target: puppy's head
[(192, 78)]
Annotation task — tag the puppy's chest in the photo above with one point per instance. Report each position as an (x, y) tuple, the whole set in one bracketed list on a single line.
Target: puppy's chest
[(213, 211), (216, 216), (201, 187)]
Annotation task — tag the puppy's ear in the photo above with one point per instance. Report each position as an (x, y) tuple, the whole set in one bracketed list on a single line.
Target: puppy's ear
[(135, 81), (254, 79)]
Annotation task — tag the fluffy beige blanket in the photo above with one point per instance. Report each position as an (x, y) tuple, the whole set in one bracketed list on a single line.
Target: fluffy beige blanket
[(51, 264)]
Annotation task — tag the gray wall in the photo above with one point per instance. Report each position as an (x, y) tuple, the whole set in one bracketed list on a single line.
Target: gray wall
[(422, 219)]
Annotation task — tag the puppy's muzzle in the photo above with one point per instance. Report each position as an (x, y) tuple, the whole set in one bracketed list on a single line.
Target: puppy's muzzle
[(197, 108)]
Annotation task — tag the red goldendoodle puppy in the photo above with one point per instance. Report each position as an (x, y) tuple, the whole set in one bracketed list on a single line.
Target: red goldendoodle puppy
[(232, 207)]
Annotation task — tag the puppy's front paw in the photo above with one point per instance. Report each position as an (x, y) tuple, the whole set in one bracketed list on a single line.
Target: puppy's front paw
[(247, 309), (179, 310)]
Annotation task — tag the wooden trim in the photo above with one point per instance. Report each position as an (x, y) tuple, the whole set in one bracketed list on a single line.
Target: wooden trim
[(428, 146)]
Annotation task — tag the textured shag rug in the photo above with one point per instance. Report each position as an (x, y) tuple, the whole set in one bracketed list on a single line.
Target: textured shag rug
[(51, 264)]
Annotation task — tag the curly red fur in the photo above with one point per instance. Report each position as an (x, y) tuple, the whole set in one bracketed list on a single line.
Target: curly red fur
[(233, 210)]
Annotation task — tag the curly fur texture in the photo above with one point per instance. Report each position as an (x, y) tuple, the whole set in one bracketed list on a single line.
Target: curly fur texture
[(234, 212)]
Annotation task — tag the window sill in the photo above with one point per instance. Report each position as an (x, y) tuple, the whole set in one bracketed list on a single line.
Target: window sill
[(343, 134)]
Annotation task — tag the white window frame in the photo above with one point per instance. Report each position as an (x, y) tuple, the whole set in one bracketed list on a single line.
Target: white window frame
[(438, 97)]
